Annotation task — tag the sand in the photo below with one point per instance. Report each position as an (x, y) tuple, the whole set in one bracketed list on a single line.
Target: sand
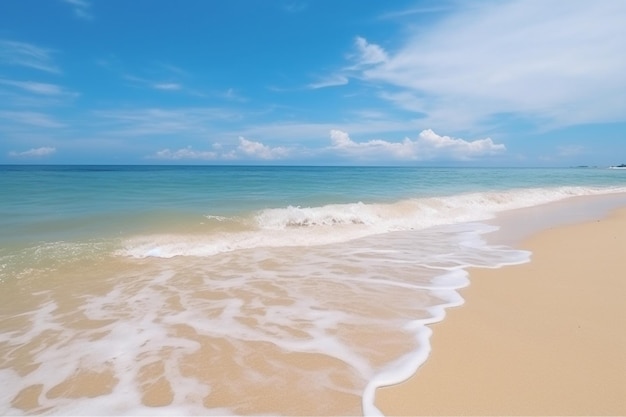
[(543, 338)]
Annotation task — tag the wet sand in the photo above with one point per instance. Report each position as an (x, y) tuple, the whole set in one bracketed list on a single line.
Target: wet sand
[(543, 338)]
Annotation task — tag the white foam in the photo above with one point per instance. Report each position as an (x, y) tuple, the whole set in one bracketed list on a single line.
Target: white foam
[(314, 300), (405, 366), (311, 226), (301, 280)]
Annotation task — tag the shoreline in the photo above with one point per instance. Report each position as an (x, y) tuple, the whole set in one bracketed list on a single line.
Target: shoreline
[(541, 338)]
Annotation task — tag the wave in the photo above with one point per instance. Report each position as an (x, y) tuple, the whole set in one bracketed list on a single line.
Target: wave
[(422, 212), (310, 226)]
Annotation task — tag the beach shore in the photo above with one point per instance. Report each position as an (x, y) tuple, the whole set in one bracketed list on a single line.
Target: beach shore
[(543, 338)]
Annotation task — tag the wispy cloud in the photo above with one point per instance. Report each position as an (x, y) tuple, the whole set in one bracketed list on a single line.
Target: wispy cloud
[(365, 56), (330, 81), (168, 86), (158, 76), (34, 153), (30, 118), (439, 7), (173, 69), (428, 145), (27, 55), (295, 6), (152, 84), (158, 121), (567, 151), (34, 87), (232, 95), (366, 122), (82, 8), (555, 64)]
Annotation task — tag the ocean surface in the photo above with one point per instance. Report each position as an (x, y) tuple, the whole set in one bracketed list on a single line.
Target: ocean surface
[(199, 290)]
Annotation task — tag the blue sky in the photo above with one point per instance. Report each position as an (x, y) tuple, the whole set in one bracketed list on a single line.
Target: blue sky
[(350, 82)]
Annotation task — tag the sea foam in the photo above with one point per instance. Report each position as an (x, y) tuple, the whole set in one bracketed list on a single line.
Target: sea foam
[(350, 316), (293, 226)]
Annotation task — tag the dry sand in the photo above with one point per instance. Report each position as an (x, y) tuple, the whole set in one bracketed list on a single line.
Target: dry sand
[(543, 338)]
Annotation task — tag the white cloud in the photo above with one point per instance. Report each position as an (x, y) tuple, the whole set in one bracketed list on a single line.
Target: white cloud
[(184, 153), (34, 153), (31, 118), (167, 86), (440, 7), (358, 122), (368, 53), (165, 79), (33, 87), (261, 151), (245, 149), (331, 81), (295, 6), (428, 145), (233, 95), (558, 63), (26, 55), (194, 121), (82, 8), (428, 142)]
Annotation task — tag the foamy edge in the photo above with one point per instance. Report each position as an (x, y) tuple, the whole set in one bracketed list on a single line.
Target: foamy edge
[(293, 226)]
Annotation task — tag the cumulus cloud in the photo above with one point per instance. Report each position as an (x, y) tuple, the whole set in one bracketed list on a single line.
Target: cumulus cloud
[(555, 63), (369, 53), (245, 149), (428, 145), (261, 151), (34, 153), (184, 153)]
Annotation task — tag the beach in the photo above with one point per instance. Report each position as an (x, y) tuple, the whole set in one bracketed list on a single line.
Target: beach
[(541, 338), (294, 290)]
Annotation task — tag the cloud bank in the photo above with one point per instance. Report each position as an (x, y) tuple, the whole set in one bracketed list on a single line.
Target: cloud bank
[(261, 151), (246, 149), (428, 145), (184, 154)]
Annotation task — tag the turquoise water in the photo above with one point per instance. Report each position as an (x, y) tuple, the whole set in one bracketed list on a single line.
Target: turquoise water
[(227, 290), (67, 202)]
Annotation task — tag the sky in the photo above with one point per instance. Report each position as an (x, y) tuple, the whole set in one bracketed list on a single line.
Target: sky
[(313, 82)]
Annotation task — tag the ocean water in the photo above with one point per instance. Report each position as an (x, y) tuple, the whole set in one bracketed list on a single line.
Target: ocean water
[(160, 290)]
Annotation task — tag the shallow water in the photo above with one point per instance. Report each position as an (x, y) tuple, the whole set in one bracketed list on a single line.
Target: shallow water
[(130, 299), (239, 333)]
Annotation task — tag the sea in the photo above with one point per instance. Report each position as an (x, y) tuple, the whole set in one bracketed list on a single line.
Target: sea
[(243, 290)]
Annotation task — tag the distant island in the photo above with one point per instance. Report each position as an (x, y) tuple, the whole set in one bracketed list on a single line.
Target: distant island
[(620, 166)]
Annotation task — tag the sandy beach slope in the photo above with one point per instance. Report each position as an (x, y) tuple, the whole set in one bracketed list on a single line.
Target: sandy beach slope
[(543, 338)]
